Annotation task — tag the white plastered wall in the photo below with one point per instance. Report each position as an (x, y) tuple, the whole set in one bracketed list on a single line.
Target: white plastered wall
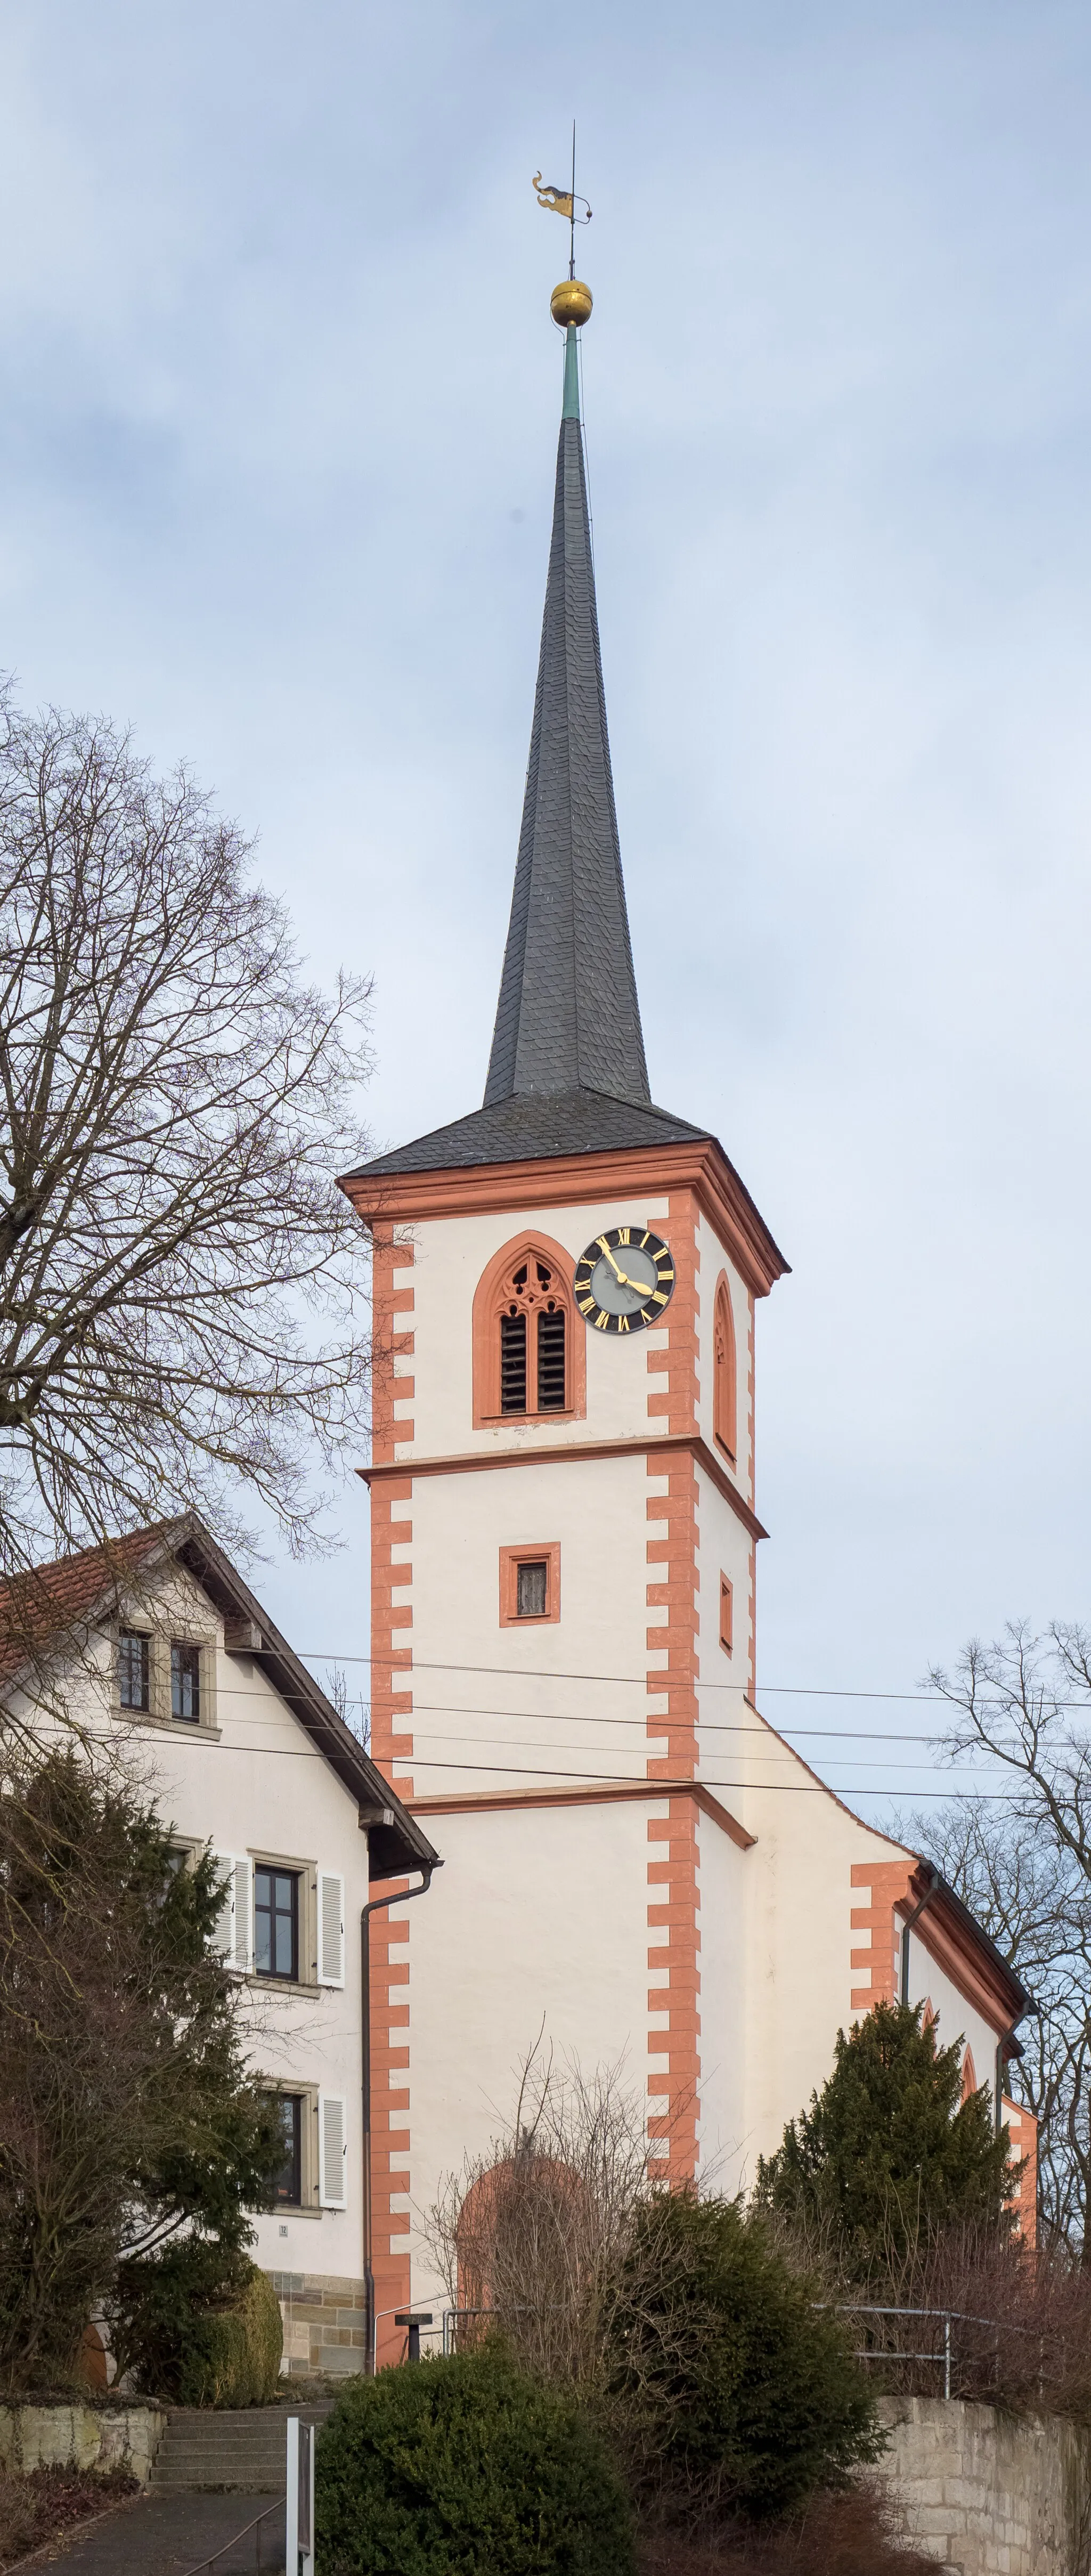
[(799, 1935), (253, 1785), (535, 1933), (954, 2016), (450, 1256), (560, 1695), (713, 1261), (722, 1921)]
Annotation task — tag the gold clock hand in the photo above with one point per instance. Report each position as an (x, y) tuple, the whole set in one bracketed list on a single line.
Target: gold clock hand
[(619, 1274)]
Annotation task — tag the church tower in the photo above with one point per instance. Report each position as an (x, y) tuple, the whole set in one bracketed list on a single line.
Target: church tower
[(563, 1557)]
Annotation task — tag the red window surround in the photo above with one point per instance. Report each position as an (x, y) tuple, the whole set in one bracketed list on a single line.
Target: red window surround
[(529, 1344)]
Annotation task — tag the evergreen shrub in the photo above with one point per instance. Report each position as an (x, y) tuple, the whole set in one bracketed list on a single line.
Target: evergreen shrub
[(197, 2338), (734, 2390), (889, 2156), (451, 2467)]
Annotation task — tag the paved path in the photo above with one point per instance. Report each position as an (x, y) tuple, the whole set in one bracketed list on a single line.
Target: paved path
[(163, 2536)]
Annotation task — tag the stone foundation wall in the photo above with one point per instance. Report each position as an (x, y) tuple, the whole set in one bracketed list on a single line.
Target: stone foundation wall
[(989, 2494), (324, 2323), (81, 2437)]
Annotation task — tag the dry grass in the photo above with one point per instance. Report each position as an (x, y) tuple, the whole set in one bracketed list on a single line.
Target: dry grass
[(1020, 2331), (858, 2533), (44, 2505)]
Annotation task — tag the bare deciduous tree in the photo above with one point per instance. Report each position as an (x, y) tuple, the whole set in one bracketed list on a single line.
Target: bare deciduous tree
[(178, 1273), (531, 2235), (1024, 1868)]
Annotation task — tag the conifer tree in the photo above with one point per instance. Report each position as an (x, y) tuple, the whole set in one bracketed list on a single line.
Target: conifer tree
[(888, 2154)]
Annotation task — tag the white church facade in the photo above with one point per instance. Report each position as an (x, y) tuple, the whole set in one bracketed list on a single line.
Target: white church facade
[(564, 1545)]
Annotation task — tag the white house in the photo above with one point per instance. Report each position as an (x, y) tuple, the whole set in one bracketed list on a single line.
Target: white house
[(164, 1648), (565, 1534)]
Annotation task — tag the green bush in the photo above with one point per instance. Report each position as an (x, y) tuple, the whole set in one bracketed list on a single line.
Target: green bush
[(202, 2334), (733, 2389), (445, 2466)]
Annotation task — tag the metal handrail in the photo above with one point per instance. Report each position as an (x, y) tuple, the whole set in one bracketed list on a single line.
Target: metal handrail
[(204, 2566), (945, 2316)]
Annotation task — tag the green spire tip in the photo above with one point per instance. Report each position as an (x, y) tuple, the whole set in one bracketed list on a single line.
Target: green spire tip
[(570, 409)]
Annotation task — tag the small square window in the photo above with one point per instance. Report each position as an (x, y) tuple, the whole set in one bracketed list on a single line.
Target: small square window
[(134, 1669), (726, 1615), (185, 1681), (531, 1584), (276, 1923), (288, 2182)]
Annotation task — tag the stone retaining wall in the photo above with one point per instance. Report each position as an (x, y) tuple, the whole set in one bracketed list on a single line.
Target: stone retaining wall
[(81, 2437), (989, 2494)]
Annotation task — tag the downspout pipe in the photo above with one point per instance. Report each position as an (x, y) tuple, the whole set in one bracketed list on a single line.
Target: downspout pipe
[(934, 1881), (401, 1896)]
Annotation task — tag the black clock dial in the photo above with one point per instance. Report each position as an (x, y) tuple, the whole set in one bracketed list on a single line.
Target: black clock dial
[(624, 1280)]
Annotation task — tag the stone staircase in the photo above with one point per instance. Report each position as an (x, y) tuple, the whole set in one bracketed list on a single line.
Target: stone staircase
[(234, 2451)]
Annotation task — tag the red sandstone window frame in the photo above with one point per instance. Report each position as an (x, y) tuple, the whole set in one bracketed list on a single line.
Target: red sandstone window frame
[(725, 1397), (727, 1614), (511, 1558), (490, 1297)]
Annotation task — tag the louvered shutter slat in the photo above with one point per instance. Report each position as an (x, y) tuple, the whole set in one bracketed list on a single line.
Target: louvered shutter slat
[(242, 1956), (332, 2150), (331, 1928), (223, 1930)]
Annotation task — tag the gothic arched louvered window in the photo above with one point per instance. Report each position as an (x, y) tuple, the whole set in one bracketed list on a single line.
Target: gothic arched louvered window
[(529, 1343), (534, 1327), (724, 1394)]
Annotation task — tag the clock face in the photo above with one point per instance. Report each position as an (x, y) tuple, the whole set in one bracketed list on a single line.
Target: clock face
[(624, 1280)]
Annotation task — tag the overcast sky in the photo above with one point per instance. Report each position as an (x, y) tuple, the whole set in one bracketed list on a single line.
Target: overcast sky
[(278, 419)]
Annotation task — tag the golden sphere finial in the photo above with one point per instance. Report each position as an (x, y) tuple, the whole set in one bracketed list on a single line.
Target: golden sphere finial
[(571, 301)]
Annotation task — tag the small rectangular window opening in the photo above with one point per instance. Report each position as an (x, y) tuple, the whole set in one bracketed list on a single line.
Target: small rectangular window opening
[(726, 1626), (276, 1923), (134, 1669), (185, 1681), (531, 1597), (288, 2182)]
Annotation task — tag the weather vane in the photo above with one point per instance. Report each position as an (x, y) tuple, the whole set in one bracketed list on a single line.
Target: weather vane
[(564, 201)]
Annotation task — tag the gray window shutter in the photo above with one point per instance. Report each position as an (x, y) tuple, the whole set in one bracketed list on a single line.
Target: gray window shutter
[(331, 1928), (223, 1934), (332, 2151), (243, 1928)]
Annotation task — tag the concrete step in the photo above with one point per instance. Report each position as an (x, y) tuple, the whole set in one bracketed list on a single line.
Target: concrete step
[(237, 2451)]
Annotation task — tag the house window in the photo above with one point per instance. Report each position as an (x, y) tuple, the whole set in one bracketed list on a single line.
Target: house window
[(724, 1374), (288, 2182), (185, 1681), (134, 1669), (276, 1923), (726, 1615), (530, 1584), (530, 1589)]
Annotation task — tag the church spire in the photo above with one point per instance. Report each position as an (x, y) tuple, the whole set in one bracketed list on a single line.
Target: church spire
[(568, 1019)]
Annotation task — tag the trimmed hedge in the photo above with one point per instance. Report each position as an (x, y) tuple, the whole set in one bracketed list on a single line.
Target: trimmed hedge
[(454, 2467)]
